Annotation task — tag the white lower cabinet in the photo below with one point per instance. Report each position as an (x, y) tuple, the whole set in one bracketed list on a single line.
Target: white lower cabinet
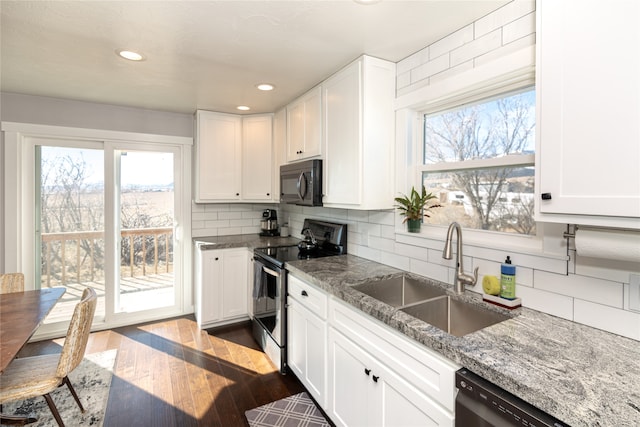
[(307, 336), (367, 393), (362, 372), (221, 286)]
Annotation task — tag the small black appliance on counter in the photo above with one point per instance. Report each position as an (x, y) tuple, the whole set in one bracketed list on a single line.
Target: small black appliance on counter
[(269, 223)]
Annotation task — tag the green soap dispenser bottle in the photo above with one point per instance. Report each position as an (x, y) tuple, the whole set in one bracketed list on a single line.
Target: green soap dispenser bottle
[(508, 280)]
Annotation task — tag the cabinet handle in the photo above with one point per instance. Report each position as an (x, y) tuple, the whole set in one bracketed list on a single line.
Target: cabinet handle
[(304, 294), (375, 378), (367, 371), (546, 196)]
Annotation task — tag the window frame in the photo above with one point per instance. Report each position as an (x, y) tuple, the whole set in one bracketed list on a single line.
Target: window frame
[(479, 91)]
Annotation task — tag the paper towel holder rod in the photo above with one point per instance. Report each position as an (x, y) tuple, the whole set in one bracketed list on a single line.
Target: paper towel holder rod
[(571, 235)]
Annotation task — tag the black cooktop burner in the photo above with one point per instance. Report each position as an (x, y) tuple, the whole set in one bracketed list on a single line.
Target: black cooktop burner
[(282, 254), (331, 237)]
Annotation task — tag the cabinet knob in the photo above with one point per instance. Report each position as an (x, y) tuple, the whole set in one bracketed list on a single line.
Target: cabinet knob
[(216, 258), (367, 371), (237, 194), (304, 294), (268, 194), (375, 378), (546, 196)]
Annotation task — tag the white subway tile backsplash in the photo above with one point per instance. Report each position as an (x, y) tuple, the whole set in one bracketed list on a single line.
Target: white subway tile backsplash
[(478, 47), (504, 16), (519, 28), (396, 260), (525, 44), (430, 68), (625, 323), (547, 302), (451, 42), (586, 288), (433, 271), (385, 245), (382, 217), (451, 72)]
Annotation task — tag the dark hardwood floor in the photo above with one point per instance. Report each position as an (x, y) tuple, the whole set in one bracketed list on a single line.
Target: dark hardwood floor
[(170, 373)]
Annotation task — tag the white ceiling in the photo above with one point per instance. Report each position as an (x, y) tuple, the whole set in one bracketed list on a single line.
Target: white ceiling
[(208, 54)]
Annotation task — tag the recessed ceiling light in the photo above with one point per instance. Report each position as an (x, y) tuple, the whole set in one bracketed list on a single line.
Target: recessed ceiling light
[(243, 107), (130, 55), (265, 86)]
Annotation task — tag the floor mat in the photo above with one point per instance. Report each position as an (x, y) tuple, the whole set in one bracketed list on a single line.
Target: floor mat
[(293, 411)]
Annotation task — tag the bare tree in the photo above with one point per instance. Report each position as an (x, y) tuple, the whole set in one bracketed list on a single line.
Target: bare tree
[(468, 134)]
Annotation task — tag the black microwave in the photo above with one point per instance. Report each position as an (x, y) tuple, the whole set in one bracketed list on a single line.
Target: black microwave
[(301, 183)]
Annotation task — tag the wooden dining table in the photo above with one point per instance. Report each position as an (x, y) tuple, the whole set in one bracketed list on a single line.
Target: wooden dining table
[(21, 313)]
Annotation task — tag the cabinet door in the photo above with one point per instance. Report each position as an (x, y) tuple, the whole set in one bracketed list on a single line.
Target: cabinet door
[(313, 123), (279, 149), (234, 284), (295, 130), (589, 104), (350, 383), (343, 155), (218, 156), (209, 307), (403, 405), (257, 165), (304, 126)]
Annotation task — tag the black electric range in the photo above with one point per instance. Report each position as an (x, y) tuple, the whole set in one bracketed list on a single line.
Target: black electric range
[(269, 317)]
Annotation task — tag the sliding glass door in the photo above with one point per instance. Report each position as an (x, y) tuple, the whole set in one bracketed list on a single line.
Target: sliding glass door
[(106, 216), (146, 220)]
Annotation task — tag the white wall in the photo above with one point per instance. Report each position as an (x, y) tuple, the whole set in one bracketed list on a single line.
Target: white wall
[(65, 112)]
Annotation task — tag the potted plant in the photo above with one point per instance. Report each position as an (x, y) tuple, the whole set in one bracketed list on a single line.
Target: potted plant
[(414, 207)]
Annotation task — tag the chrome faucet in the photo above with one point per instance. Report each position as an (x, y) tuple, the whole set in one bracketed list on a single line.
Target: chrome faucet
[(460, 279)]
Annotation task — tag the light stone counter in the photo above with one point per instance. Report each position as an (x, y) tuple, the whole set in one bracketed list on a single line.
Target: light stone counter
[(249, 241), (581, 375)]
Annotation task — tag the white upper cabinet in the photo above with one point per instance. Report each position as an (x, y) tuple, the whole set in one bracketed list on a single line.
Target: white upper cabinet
[(279, 148), (233, 160), (588, 89), (359, 135), (304, 126), (218, 161), (257, 165)]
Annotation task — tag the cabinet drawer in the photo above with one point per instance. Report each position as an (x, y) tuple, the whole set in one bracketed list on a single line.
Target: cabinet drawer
[(311, 297), (429, 372)]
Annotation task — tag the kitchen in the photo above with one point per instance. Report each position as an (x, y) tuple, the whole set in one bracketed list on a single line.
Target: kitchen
[(592, 292)]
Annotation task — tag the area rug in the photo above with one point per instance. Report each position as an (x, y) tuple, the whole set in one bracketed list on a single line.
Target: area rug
[(91, 380), (293, 411)]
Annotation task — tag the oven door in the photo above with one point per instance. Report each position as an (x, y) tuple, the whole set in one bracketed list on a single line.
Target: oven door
[(267, 299)]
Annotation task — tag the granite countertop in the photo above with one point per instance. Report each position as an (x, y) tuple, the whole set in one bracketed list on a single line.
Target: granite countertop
[(581, 375), (250, 241)]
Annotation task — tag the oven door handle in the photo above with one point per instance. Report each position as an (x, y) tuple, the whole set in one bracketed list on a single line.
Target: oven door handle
[(270, 271)]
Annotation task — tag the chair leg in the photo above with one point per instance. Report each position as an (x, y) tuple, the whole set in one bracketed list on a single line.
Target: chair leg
[(73, 392), (54, 410)]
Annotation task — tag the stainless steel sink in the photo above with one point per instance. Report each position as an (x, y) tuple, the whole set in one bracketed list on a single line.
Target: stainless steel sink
[(453, 316), (400, 291)]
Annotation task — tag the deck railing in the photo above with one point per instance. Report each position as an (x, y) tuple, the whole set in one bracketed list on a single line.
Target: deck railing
[(79, 255)]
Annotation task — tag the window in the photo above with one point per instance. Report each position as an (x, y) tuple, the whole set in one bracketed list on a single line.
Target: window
[(479, 160)]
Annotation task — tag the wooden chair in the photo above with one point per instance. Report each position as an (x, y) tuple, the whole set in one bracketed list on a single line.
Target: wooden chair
[(39, 375), (11, 282)]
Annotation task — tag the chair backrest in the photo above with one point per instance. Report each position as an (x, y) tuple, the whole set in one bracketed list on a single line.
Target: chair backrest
[(11, 282), (78, 333)]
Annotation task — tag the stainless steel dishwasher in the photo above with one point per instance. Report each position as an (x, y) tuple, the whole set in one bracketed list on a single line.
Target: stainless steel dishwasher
[(480, 403)]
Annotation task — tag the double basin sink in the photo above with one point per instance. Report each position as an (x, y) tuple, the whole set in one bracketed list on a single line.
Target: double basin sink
[(431, 304)]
